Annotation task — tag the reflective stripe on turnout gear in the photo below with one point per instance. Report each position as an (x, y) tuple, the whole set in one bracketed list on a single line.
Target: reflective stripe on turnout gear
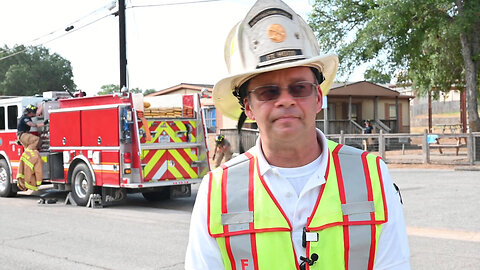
[(29, 174)]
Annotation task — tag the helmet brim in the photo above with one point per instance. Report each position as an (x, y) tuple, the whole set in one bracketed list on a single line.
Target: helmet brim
[(229, 105)]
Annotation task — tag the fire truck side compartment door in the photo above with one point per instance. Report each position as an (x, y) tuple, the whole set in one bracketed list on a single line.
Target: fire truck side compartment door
[(65, 129), (100, 127)]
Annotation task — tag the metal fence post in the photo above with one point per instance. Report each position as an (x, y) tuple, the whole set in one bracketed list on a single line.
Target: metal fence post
[(342, 137), (381, 144), (425, 148)]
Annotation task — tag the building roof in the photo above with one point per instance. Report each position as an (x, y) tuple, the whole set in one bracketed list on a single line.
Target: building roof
[(363, 89), (180, 86), (356, 89)]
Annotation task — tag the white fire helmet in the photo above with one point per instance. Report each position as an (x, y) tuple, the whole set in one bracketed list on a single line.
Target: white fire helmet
[(271, 37)]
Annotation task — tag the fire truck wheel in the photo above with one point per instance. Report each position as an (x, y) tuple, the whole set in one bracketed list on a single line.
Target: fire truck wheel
[(6, 187), (156, 196), (82, 184)]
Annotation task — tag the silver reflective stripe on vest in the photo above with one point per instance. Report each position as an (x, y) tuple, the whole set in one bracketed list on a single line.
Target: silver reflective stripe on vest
[(238, 216), (356, 206)]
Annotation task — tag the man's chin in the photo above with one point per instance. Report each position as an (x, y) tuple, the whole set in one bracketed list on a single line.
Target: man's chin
[(288, 131)]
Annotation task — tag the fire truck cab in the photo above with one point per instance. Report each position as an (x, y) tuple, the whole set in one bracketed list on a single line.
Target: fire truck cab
[(110, 145)]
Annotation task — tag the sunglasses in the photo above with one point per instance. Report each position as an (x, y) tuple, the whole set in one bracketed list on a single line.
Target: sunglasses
[(272, 92)]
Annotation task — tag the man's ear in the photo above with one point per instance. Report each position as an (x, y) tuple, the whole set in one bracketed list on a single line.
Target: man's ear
[(319, 99), (248, 109)]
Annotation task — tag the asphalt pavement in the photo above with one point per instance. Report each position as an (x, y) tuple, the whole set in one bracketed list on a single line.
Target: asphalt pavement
[(440, 207), (441, 210)]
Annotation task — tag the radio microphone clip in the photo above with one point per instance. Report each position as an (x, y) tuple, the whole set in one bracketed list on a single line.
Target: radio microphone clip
[(311, 261)]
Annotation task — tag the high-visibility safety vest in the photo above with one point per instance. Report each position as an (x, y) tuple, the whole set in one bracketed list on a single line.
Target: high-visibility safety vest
[(253, 232)]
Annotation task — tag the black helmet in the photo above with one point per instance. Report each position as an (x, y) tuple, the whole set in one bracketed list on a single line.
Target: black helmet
[(31, 109), (219, 138)]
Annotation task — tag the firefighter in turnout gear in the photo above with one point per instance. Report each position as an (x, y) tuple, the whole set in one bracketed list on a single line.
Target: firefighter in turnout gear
[(223, 150), (29, 174), (295, 200), (25, 124)]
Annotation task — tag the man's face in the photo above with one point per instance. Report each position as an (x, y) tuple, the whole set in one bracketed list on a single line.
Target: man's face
[(285, 117)]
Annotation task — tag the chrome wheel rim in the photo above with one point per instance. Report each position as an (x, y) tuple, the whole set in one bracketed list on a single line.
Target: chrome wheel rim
[(81, 185)]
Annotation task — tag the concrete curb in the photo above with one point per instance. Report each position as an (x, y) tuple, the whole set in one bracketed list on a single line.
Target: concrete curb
[(467, 168)]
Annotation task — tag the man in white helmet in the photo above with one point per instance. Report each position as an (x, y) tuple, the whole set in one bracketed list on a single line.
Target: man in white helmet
[(295, 200)]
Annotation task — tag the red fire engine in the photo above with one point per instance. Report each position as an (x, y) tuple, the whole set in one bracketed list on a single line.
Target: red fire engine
[(110, 145)]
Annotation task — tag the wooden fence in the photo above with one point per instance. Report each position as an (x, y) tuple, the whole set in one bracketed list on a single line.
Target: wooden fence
[(436, 148)]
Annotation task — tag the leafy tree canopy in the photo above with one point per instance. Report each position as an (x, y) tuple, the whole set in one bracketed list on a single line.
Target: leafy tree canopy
[(432, 44), (376, 76), (33, 70), (113, 88)]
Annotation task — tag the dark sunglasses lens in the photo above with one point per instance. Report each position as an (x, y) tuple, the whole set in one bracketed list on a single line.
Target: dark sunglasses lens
[(268, 92), (301, 89)]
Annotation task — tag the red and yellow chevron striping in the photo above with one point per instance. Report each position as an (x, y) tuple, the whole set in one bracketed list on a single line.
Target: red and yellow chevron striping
[(171, 131), (169, 164)]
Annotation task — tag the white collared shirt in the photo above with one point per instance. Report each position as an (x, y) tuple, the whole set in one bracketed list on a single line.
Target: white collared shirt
[(392, 252)]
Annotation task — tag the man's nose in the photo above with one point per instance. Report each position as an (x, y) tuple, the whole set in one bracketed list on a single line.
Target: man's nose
[(285, 99)]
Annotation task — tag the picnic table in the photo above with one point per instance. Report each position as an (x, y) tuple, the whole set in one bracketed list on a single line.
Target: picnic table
[(434, 142)]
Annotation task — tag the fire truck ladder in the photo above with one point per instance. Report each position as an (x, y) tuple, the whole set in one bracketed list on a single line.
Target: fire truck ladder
[(44, 134)]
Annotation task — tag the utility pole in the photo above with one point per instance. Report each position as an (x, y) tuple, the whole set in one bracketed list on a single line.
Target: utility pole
[(123, 45)]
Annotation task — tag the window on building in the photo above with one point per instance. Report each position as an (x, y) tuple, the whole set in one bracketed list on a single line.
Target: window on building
[(332, 111), (210, 119), (2, 118), (12, 116), (392, 112), (354, 114)]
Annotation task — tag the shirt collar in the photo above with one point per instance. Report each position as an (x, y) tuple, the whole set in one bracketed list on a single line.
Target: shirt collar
[(322, 140)]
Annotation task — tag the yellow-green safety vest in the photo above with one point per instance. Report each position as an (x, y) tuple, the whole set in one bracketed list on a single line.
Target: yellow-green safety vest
[(253, 232)]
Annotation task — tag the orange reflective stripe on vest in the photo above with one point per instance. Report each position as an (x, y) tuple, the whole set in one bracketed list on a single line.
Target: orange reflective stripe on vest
[(253, 232)]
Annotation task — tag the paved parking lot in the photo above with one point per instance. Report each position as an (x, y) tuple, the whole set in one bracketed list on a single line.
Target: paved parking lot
[(441, 213), (440, 206)]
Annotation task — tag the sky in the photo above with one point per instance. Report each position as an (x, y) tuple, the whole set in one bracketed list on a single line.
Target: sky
[(166, 45)]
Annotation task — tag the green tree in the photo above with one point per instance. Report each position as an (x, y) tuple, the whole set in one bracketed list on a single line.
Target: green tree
[(433, 44), (112, 88), (376, 76), (33, 70), (109, 89), (136, 90), (149, 91)]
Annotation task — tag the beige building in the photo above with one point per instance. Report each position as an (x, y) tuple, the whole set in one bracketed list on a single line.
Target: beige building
[(349, 106)]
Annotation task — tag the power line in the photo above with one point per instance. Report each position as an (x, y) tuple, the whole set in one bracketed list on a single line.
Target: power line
[(174, 4), (70, 29), (74, 22), (76, 29)]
